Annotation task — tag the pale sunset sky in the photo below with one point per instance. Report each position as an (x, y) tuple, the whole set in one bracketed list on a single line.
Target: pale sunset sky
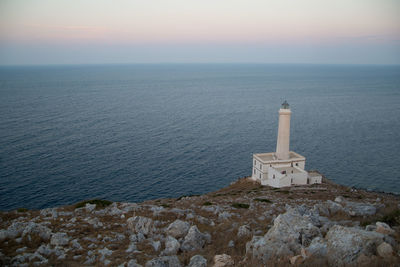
[(205, 31)]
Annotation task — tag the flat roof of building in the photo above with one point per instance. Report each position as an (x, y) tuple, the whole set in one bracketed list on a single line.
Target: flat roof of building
[(271, 157)]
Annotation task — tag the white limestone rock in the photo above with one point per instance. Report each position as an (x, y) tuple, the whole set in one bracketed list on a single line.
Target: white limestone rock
[(37, 229), (178, 229), (197, 261), (223, 260), (244, 231), (59, 239), (133, 263), (50, 212), (131, 248), (165, 261), (383, 228), (20, 250), (317, 248), (104, 252), (156, 245), (171, 246), (115, 211), (193, 240), (140, 225), (14, 230), (224, 215), (291, 231), (345, 244), (333, 207), (359, 209), (90, 207), (75, 245), (384, 250)]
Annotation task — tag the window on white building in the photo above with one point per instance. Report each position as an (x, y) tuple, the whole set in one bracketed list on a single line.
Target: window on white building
[(254, 171), (260, 175)]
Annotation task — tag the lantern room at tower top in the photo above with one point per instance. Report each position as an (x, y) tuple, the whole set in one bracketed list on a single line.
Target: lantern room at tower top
[(283, 167)]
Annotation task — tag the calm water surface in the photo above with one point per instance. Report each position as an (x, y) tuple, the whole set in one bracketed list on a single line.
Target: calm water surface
[(136, 132)]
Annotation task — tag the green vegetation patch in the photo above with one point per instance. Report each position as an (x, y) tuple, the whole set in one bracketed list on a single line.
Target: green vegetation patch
[(240, 205), (392, 218), (164, 205), (100, 203), (22, 210), (207, 203), (263, 200)]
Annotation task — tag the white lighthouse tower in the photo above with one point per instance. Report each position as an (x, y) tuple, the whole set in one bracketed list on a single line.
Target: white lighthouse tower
[(283, 167), (282, 144)]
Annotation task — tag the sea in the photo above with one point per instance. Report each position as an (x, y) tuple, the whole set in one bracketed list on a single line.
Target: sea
[(137, 132)]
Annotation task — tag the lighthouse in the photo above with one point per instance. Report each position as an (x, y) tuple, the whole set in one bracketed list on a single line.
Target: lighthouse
[(283, 140), (283, 167)]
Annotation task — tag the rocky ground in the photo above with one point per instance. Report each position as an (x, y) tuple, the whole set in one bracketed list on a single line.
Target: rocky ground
[(244, 224)]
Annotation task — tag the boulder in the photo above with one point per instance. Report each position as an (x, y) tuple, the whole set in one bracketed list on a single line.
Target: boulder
[(333, 207), (104, 252), (75, 244), (133, 263), (383, 228), (178, 229), (165, 261), (59, 239), (359, 209), (318, 248), (50, 212), (339, 199), (291, 231), (244, 231), (197, 261), (171, 246), (224, 215), (37, 229), (90, 207), (384, 250), (140, 225), (45, 250), (345, 244), (156, 245), (193, 240), (14, 230), (223, 260), (115, 211)]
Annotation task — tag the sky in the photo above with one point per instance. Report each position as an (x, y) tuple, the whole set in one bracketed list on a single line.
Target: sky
[(193, 31)]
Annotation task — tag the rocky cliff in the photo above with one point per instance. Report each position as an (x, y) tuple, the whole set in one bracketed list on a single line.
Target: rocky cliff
[(244, 224)]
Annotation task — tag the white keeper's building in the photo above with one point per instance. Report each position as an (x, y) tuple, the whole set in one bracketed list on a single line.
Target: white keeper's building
[(283, 167)]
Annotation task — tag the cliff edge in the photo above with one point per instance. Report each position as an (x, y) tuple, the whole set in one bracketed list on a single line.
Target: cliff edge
[(244, 224)]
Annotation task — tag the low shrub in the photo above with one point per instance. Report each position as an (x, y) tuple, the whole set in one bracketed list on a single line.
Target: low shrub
[(207, 203), (240, 205), (22, 210), (100, 203), (392, 218)]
